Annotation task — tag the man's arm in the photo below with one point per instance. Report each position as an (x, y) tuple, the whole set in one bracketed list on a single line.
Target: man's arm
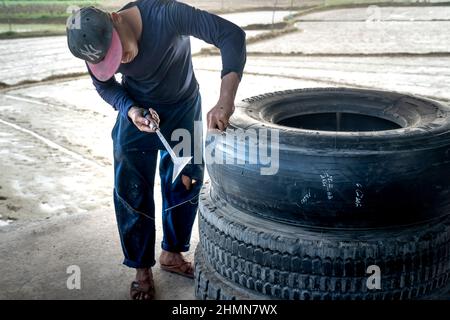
[(114, 94), (226, 36)]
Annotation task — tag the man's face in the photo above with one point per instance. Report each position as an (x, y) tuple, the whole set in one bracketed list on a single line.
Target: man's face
[(127, 38)]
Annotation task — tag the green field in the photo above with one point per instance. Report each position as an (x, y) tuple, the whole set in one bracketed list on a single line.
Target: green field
[(39, 9), (36, 17), (41, 17), (25, 11), (48, 2), (30, 27)]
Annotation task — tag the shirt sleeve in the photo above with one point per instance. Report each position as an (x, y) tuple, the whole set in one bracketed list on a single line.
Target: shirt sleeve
[(114, 94), (223, 34)]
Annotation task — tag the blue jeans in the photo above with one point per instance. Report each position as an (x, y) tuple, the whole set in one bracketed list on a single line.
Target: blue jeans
[(135, 158)]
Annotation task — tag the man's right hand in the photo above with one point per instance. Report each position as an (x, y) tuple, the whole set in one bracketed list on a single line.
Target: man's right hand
[(136, 115)]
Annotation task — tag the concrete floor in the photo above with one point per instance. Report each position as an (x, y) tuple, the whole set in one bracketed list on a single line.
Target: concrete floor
[(35, 259)]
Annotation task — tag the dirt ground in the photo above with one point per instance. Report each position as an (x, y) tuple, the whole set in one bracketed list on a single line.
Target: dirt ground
[(56, 151), (51, 57)]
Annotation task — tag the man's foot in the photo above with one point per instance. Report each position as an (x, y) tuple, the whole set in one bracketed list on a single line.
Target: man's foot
[(174, 262), (143, 288)]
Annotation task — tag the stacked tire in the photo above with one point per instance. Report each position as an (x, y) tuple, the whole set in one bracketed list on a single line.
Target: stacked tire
[(363, 180)]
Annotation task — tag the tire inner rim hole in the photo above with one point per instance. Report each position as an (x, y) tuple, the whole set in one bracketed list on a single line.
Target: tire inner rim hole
[(338, 121)]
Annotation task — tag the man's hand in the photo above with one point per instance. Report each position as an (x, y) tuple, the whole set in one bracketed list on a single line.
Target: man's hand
[(188, 182), (136, 115), (219, 116)]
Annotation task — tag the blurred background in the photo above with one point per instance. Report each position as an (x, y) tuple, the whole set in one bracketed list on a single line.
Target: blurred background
[(39, 17)]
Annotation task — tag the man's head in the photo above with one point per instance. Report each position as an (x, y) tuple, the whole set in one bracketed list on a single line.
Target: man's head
[(103, 40)]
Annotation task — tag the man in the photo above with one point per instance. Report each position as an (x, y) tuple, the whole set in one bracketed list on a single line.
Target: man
[(147, 41)]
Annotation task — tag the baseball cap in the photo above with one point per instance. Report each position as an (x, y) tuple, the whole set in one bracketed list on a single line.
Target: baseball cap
[(91, 36)]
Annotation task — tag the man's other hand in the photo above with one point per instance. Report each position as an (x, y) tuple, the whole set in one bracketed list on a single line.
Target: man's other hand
[(219, 116), (188, 182), (136, 115)]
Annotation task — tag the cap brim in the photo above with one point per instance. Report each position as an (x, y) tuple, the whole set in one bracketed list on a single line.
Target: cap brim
[(106, 68)]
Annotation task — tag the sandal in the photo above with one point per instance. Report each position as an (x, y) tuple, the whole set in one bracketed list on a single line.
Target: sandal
[(142, 290), (184, 269)]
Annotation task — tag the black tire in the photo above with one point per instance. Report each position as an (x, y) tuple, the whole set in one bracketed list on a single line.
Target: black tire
[(291, 262), (342, 179), (209, 285)]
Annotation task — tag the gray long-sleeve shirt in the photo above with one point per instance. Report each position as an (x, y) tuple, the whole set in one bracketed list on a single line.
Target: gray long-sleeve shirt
[(162, 72)]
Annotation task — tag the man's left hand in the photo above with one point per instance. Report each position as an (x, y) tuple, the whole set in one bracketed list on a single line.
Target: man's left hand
[(219, 116), (188, 182)]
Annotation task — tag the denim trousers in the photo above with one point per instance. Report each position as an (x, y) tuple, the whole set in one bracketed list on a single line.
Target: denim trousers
[(135, 161)]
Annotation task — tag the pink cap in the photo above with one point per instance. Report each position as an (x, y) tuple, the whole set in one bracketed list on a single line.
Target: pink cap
[(106, 68)]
